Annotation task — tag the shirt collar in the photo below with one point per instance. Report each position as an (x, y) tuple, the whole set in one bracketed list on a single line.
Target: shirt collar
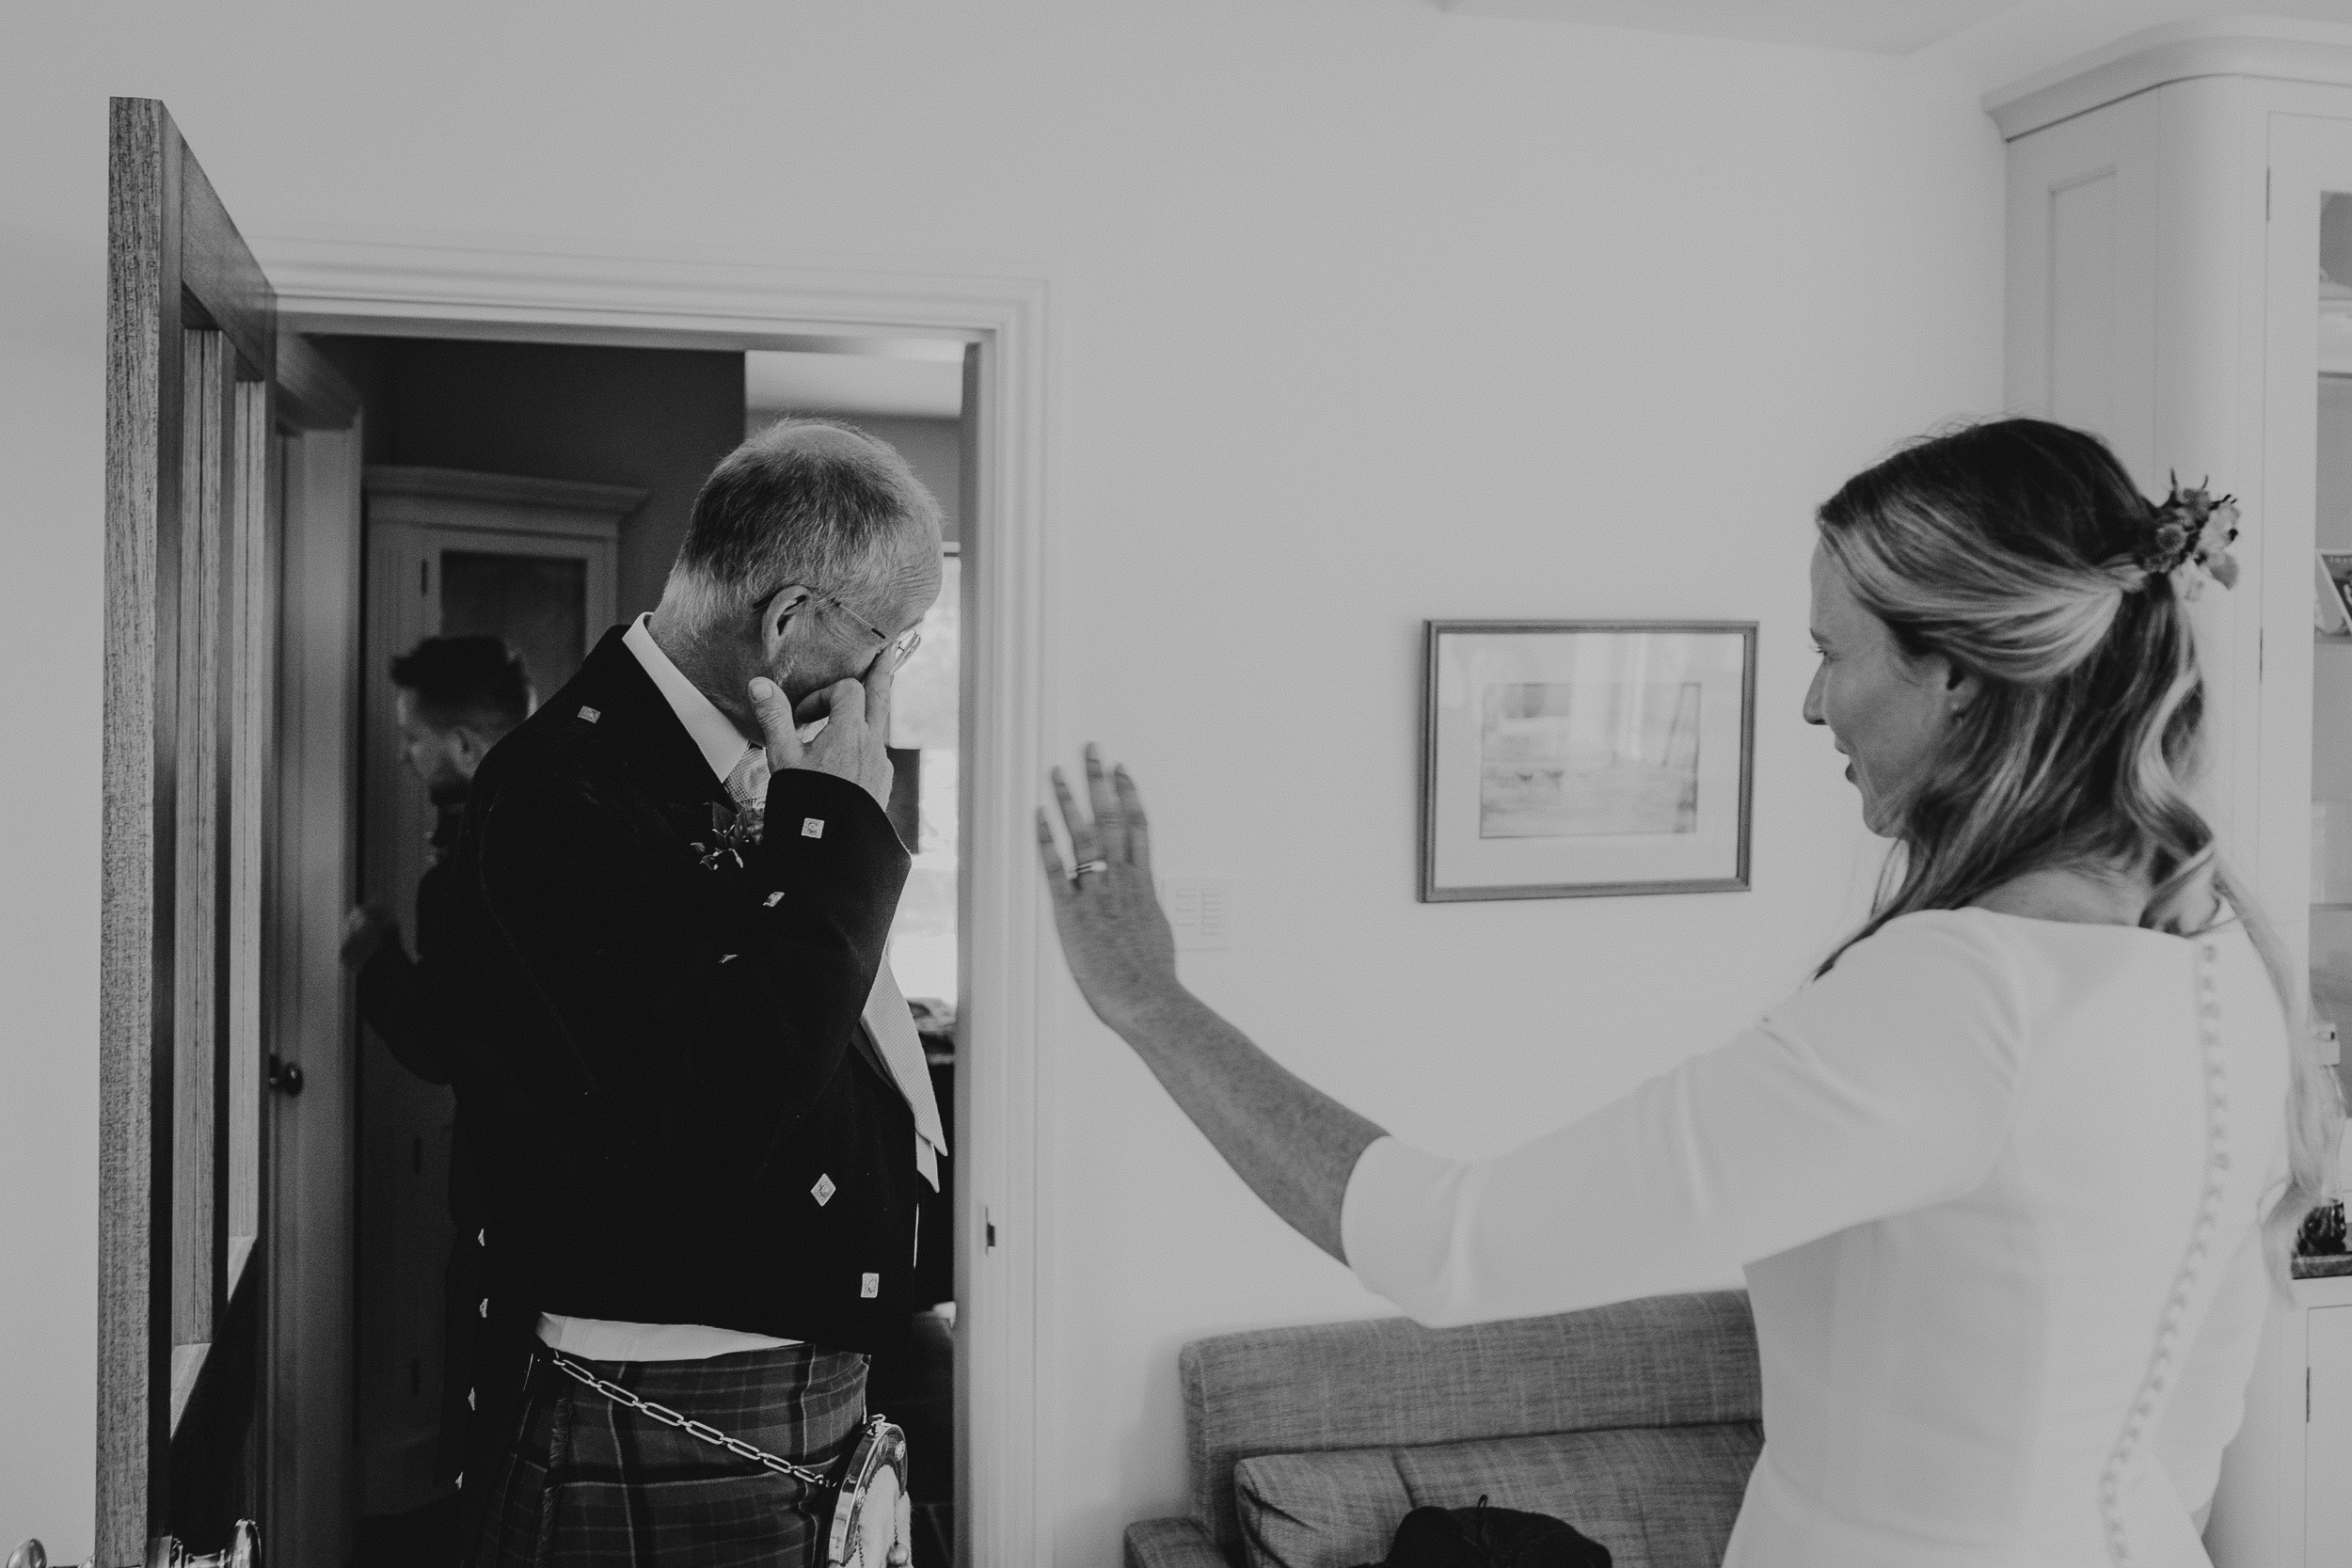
[(713, 733)]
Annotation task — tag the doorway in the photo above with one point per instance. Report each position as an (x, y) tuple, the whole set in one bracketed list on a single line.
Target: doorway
[(189, 297), (535, 493)]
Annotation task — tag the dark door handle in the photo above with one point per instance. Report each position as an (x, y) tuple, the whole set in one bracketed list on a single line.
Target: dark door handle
[(285, 1077)]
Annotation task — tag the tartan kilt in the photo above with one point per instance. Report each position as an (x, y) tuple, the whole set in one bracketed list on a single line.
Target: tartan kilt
[(584, 1482)]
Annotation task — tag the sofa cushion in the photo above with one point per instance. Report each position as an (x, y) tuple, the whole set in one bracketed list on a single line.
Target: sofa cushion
[(1664, 1361), (1655, 1496), (1319, 1510)]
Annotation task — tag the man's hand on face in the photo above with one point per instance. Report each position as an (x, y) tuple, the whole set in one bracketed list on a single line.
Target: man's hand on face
[(855, 743), (365, 929)]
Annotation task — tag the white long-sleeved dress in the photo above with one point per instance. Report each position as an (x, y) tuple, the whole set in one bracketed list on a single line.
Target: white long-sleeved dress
[(1996, 1184)]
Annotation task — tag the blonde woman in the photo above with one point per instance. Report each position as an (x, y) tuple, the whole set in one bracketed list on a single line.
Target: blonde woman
[(2011, 1177)]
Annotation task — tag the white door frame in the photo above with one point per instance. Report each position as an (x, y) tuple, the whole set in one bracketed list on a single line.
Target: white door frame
[(341, 282)]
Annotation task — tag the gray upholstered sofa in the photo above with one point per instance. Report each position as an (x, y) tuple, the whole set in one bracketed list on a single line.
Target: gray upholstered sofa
[(1637, 1423)]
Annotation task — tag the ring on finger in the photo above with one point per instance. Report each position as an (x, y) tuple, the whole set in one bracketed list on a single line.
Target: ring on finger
[(1085, 867)]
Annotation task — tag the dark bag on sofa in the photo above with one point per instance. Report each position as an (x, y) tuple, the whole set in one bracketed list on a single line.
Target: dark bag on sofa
[(1483, 1537)]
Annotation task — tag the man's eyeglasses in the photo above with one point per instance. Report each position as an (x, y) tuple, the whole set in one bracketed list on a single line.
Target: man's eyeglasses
[(827, 599)]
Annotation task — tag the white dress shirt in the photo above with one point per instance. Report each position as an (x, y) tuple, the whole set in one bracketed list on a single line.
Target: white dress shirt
[(1996, 1184), (887, 1017)]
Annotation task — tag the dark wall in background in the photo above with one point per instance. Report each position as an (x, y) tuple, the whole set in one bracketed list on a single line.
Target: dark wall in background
[(657, 417)]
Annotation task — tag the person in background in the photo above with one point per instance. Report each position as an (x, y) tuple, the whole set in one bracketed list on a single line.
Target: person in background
[(456, 697)]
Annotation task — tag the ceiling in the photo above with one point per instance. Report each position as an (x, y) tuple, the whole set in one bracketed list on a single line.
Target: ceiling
[(899, 385), (1880, 26)]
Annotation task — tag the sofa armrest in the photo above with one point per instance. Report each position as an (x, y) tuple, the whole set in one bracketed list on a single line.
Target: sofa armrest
[(1171, 1544)]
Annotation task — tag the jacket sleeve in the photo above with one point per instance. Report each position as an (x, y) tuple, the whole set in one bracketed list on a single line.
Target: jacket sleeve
[(1884, 1087), (682, 1020), (408, 1002), (396, 1002)]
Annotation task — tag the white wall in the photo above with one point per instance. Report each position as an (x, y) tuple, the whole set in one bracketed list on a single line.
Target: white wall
[(1361, 313)]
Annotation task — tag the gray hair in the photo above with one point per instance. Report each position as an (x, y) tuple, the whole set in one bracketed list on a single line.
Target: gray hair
[(804, 500)]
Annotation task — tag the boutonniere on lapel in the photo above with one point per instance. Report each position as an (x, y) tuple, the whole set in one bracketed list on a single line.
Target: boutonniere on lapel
[(731, 836)]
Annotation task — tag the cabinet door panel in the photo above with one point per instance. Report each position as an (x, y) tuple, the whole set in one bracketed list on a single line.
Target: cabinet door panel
[(2327, 1445), (2082, 272)]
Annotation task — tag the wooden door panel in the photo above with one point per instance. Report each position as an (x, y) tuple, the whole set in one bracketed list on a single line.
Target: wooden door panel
[(138, 856), (222, 285), (208, 421), (254, 552), (190, 359)]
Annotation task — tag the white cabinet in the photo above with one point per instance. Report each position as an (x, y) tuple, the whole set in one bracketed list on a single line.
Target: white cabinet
[(2285, 1500), (2327, 1447), (2168, 224)]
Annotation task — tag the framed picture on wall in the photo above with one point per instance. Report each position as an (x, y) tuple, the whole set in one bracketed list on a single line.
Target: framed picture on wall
[(2332, 614), (1578, 759)]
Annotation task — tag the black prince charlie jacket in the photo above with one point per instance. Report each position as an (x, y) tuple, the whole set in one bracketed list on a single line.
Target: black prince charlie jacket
[(692, 1125)]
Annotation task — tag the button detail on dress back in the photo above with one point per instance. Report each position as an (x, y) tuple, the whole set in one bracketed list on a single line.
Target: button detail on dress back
[(870, 1287), (2130, 1446), (823, 1191), (812, 827), (591, 715)]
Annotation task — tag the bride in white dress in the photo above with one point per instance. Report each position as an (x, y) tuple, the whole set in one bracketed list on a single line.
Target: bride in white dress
[(2011, 1178)]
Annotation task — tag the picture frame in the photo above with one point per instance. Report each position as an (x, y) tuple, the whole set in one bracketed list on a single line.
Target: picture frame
[(1585, 759), (2332, 611)]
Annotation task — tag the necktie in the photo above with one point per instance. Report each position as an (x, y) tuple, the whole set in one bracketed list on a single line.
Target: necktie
[(887, 1019), (747, 784)]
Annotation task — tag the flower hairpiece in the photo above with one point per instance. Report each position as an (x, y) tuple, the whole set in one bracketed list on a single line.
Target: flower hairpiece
[(2189, 538)]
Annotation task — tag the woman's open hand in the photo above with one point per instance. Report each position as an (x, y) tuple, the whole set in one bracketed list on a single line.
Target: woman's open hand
[(1296, 1146), (1113, 934)]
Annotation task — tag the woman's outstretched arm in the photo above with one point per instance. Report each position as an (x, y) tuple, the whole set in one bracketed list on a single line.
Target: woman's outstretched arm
[(1293, 1144), (1885, 1087)]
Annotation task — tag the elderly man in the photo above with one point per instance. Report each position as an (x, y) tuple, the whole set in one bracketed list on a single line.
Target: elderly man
[(721, 1126)]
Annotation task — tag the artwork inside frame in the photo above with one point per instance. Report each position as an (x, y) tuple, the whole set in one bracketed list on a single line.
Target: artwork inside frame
[(2332, 614), (1576, 759)]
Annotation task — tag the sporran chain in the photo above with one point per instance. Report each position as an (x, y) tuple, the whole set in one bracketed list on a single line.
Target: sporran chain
[(703, 1431)]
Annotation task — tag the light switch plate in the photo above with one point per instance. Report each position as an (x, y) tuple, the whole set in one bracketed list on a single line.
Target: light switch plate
[(1202, 911)]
